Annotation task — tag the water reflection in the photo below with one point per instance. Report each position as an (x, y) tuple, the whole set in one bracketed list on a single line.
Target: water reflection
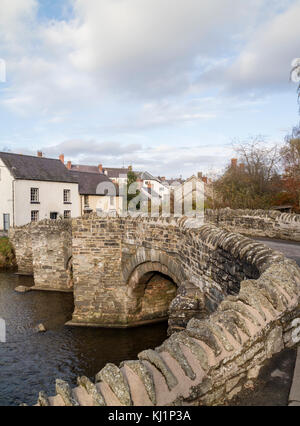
[(31, 361)]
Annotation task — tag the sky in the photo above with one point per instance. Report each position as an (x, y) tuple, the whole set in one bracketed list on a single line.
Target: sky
[(166, 86)]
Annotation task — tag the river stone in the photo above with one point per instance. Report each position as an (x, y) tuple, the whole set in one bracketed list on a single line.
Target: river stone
[(41, 328), (22, 289)]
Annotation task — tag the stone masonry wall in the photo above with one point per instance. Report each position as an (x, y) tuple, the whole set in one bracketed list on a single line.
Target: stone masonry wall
[(99, 292), (52, 250), (44, 250), (216, 357), (20, 239), (257, 223), (112, 255)]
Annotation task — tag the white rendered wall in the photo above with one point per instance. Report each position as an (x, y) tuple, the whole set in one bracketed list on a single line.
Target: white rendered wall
[(50, 200), (6, 194)]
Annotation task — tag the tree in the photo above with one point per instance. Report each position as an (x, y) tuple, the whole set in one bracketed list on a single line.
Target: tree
[(132, 180), (252, 180), (290, 154), (295, 74)]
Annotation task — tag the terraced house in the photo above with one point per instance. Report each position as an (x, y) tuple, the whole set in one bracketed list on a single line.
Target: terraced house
[(35, 188)]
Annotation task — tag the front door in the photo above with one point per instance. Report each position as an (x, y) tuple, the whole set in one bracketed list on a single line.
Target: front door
[(6, 221)]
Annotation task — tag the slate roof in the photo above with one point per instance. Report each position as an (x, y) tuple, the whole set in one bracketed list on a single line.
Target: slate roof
[(27, 167), (84, 168), (114, 172), (88, 182), (147, 176)]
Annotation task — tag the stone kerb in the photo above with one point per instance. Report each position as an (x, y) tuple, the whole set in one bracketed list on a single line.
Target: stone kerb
[(214, 358)]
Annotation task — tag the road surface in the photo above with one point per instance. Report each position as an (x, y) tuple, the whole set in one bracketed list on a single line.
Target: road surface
[(288, 248)]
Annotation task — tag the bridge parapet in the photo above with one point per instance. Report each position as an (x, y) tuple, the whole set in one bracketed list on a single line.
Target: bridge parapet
[(257, 223)]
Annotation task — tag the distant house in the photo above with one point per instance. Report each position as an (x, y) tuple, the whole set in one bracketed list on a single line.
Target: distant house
[(159, 187), (35, 188), (117, 175), (97, 193), (190, 195)]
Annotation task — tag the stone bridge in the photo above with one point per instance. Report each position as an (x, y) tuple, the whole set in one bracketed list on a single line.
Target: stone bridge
[(231, 304)]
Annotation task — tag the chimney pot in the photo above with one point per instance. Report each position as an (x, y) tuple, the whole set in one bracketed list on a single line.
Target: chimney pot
[(204, 179), (39, 154), (62, 158), (69, 165), (234, 162)]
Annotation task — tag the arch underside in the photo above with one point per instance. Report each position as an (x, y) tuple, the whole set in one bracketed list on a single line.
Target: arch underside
[(152, 279)]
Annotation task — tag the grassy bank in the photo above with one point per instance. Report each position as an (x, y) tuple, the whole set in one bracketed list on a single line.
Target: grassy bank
[(7, 257)]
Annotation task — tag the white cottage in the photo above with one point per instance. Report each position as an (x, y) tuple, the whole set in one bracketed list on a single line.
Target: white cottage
[(35, 188)]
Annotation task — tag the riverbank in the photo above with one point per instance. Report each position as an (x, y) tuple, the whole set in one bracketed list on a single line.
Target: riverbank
[(7, 256)]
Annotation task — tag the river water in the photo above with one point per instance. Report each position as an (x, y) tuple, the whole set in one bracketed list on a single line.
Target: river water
[(31, 361)]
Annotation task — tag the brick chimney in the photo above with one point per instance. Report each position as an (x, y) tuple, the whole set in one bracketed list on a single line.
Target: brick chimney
[(62, 158), (204, 179), (100, 168), (39, 154), (69, 165), (234, 163)]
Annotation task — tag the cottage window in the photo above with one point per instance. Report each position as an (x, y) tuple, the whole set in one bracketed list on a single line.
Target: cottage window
[(34, 215), (67, 214), (34, 195), (67, 196), (53, 215)]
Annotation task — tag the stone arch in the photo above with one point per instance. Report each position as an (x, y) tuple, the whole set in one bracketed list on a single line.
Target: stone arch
[(152, 284), (145, 259), (150, 291)]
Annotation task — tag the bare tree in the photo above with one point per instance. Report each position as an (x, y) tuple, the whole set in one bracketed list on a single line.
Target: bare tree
[(295, 74), (252, 179), (261, 162)]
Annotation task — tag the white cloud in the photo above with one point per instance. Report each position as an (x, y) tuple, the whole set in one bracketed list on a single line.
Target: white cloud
[(16, 17), (147, 49), (265, 62), (126, 66)]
